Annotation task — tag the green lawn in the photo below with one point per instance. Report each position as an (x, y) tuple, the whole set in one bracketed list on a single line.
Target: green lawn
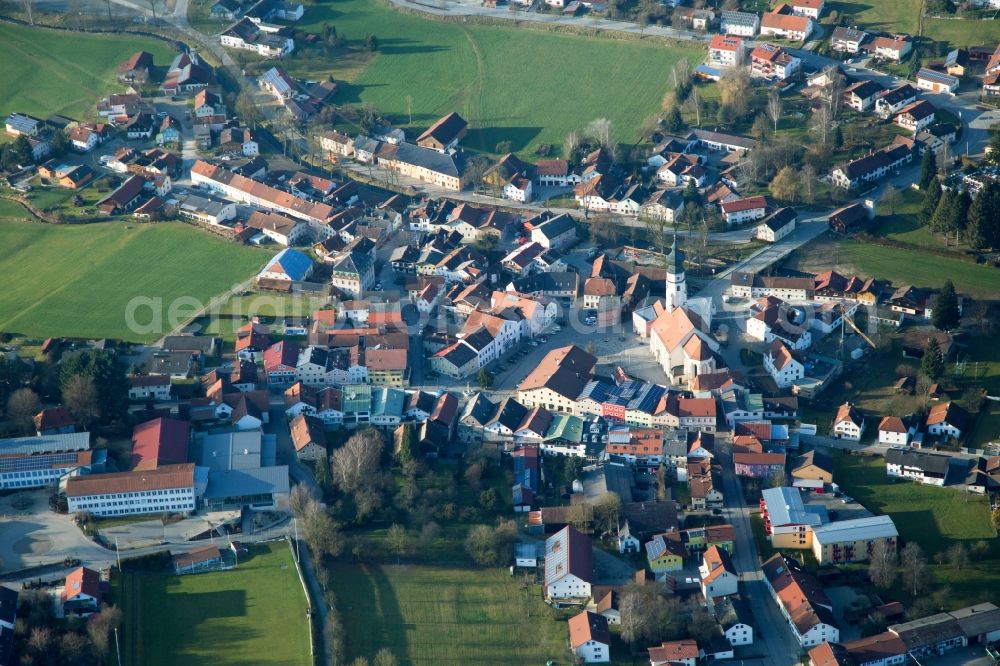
[(887, 15), (254, 614), (903, 225), (901, 266), (10, 210), (438, 615), (963, 32), (76, 281), (47, 72), (933, 517), (524, 86)]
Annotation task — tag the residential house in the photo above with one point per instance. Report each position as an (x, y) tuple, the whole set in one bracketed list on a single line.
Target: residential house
[(947, 420), (136, 68), (725, 51), (555, 233), (82, 592), (664, 555), (894, 48), (783, 364), (813, 466), (890, 102), (847, 40), (742, 24), (589, 638), (850, 219), (811, 8), (308, 437), (862, 95), (916, 116), (557, 381), (287, 266), (772, 62), (872, 167), (782, 22), (719, 577), (149, 387), (896, 430), (802, 601), (848, 423), (675, 653)]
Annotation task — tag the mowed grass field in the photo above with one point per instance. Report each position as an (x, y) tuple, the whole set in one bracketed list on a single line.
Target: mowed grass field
[(524, 86), (935, 518), (446, 615), (254, 614), (50, 72), (964, 32), (899, 265), (77, 281), (886, 15)]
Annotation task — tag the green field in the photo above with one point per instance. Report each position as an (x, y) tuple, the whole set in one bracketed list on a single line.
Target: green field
[(254, 614), (963, 32), (933, 517), (887, 15), (899, 265), (76, 281), (439, 615), (524, 86), (49, 72)]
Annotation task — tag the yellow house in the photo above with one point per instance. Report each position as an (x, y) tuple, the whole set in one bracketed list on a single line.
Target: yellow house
[(813, 466), (665, 554)]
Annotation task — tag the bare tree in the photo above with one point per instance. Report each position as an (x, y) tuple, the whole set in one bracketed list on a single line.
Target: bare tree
[(774, 107), (958, 556), (891, 199), (834, 89), (882, 564), (81, 399), (398, 540), (384, 657), (152, 7), (607, 508), (358, 460), (571, 143), (808, 182), (916, 574), (821, 123), (693, 103), (408, 100), (29, 10), (681, 72), (601, 131)]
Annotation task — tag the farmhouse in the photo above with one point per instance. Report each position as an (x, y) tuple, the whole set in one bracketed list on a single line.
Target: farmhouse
[(444, 134), (777, 225), (187, 73), (569, 569), (124, 198), (740, 211), (266, 40), (425, 164)]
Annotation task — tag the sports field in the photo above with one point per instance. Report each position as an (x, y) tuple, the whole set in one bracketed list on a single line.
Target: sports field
[(254, 614), (50, 72), (446, 615), (76, 281), (519, 85)]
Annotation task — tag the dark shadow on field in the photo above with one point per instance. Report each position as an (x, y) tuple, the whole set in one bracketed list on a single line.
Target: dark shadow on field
[(404, 46), (486, 139), (846, 8), (385, 625), (350, 93), (224, 603), (920, 526)]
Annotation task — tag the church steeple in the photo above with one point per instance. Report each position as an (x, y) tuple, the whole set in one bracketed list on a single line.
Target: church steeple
[(676, 285)]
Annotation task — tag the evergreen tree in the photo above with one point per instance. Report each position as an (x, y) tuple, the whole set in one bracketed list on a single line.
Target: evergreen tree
[(110, 381), (942, 214), (932, 364), (405, 453), (838, 137), (932, 195), (958, 218), (928, 170), (691, 194), (983, 221), (946, 315), (22, 150), (674, 121)]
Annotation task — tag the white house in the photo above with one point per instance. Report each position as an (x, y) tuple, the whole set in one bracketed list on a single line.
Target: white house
[(947, 419), (896, 431), (149, 387), (589, 638), (569, 569), (781, 364), (747, 209), (923, 466), (718, 575), (849, 423), (725, 51)]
